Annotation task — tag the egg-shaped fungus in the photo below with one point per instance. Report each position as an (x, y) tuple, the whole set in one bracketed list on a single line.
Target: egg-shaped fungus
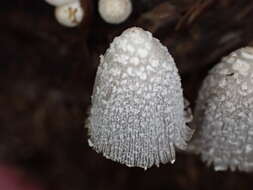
[(70, 14), (115, 11), (137, 115)]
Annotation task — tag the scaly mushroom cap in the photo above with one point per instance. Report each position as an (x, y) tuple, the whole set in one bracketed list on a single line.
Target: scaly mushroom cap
[(137, 113), (224, 114)]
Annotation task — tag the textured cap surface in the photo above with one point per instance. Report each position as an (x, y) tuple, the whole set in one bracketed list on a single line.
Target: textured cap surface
[(137, 114), (224, 114)]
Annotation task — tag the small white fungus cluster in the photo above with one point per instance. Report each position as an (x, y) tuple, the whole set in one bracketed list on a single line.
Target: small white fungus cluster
[(115, 11), (137, 115), (68, 12), (224, 114)]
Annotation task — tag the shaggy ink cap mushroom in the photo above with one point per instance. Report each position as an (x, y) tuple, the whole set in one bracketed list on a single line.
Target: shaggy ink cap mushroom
[(137, 114), (224, 114)]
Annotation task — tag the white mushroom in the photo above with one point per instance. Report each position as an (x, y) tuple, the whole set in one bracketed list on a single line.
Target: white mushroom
[(70, 14), (224, 114), (60, 2), (137, 115), (115, 11)]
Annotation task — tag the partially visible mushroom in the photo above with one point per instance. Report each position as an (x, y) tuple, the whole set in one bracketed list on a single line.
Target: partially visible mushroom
[(115, 11), (60, 2), (224, 114), (70, 14), (137, 115)]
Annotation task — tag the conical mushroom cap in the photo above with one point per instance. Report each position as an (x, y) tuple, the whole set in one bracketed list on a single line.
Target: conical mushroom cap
[(137, 113), (224, 114)]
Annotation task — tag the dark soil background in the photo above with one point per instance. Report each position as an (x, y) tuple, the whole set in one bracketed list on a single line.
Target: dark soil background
[(46, 78)]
